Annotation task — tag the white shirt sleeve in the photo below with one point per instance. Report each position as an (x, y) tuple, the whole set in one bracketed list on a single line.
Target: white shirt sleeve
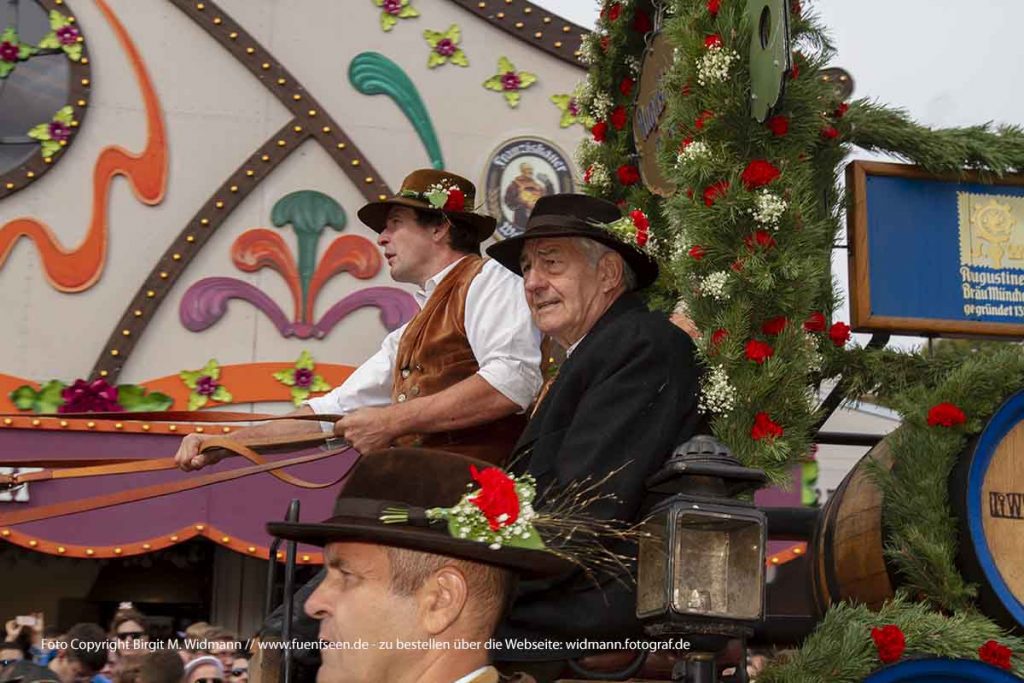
[(502, 334), (369, 385)]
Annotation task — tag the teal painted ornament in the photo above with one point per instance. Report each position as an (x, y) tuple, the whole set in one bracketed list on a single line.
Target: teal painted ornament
[(371, 73), (770, 54)]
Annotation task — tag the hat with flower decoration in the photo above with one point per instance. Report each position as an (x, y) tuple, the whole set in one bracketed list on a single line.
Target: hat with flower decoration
[(431, 190), (578, 215), (440, 503)]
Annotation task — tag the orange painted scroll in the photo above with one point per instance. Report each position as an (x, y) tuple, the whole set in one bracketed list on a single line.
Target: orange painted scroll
[(78, 269)]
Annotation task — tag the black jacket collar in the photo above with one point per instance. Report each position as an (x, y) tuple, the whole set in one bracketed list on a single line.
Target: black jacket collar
[(629, 301)]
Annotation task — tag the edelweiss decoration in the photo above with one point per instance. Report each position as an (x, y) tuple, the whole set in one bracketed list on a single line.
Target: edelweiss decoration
[(440, 197), (499, 513)]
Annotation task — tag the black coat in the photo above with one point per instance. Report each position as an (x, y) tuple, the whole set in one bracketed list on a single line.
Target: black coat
[(627, 393)]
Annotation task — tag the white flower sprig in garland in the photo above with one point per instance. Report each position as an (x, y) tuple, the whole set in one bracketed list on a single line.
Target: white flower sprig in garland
[(696, 150), (769, 209), (598, 176), (715, 285), (717, 395), (713, 66)]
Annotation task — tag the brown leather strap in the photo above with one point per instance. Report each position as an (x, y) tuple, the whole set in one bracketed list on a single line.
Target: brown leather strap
[(166, 488)]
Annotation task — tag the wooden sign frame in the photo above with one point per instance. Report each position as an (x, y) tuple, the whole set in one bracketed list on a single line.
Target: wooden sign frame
[(861, 317)]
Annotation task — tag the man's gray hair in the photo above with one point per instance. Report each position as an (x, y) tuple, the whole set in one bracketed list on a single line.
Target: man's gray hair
[(594, 250)]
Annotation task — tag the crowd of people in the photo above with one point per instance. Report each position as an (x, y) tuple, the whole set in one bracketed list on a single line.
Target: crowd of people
[(122, 653)]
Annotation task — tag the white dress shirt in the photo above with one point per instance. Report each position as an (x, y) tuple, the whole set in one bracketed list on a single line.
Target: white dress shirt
[(501, 333)]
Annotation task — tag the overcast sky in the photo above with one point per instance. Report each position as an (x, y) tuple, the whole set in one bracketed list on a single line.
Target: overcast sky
[(947, 62)]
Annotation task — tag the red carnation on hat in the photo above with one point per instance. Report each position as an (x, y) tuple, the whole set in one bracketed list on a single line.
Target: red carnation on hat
[(829, 132), (697, 252), (497, 497), (778, 125), (714, 40), (586, 174), (643, 226), (618, 117), (945, 415), (759, 351), (626, 86), (713, 6), (815, 322), (774, 326), (995, 654), (760, 238), (718, 336), (839, 333), (890, 642), (764, 428), (642, 22), (456, 200), (599, 131), (759, 173), (714, 191), (628, 174), (703, 118), (613, 11)]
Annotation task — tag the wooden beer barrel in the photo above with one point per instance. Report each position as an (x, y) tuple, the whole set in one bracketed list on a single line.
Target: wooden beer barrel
[(986, 493)]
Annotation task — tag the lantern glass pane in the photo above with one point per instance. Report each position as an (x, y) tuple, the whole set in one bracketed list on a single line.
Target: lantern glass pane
[(652, 570), (718, 566)]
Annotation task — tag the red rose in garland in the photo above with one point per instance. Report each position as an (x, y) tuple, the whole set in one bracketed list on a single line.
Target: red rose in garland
[(599, 131), (456, 200), (703, 118), (714, 40), (714, 191), (618, 117), (628, 174), (760, 238), (613, 11), (626, 86), (945, 415), (697, 252), (718, 336), (687, 141), (759, 351), (642, 22), (713, 7), (839, 333), (890, 642), (815, 322), (778, 125), (795, 71), (605, 42), (497, 498), (829, 132), (841, 110), (995, 654), (764, 428), (759, 173), (737, 266), (774, 326)]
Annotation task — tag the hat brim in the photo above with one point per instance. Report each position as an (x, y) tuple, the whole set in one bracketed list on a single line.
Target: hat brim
[(508, 251), (524, 562), (375, 216)]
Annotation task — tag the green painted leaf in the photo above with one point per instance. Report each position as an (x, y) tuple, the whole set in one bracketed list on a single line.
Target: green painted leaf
[(286, 377), (435, 60), (65, 115), (135, 399), (433, 37), (408, 12), (49, 398), (526, 79), (222, 395), (319, 384), (454, 33), (40, 132), (49, 42), (73, 51), (512, 98), (561, 101), (24, 397), (10, 35), (378, 3), (6, 68), (459, 57), (196, 401), (50, 147), (493, 83), (504, 66), (212, 369), (190, 377), (387, 21), (129, 394), (299, 395), (305, 361), (57, 20), (567, 119), (25, 51)]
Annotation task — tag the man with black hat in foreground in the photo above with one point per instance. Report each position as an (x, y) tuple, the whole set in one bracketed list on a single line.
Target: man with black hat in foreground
[(461, 373), (421, 554), (623, 399)]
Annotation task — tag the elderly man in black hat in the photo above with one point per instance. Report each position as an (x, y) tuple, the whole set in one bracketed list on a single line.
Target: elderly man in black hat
[(462, 372), (421, 552), (624, 397)]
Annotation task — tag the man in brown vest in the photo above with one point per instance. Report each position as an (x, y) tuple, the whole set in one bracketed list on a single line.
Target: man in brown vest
[(472, 349)]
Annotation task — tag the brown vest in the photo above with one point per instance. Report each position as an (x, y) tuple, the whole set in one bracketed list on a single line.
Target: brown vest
[(435, 354)]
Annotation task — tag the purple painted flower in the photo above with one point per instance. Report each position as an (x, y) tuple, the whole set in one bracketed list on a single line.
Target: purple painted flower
[(67, 35), (59, 131), (86, 397), (445, 47), (574, 107), (8, 52), (303, 378), (206, 385), (393, 6), (510, 81)]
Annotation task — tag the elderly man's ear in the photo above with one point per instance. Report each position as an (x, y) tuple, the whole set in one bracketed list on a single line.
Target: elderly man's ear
[(609, 272), (442, 599)]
